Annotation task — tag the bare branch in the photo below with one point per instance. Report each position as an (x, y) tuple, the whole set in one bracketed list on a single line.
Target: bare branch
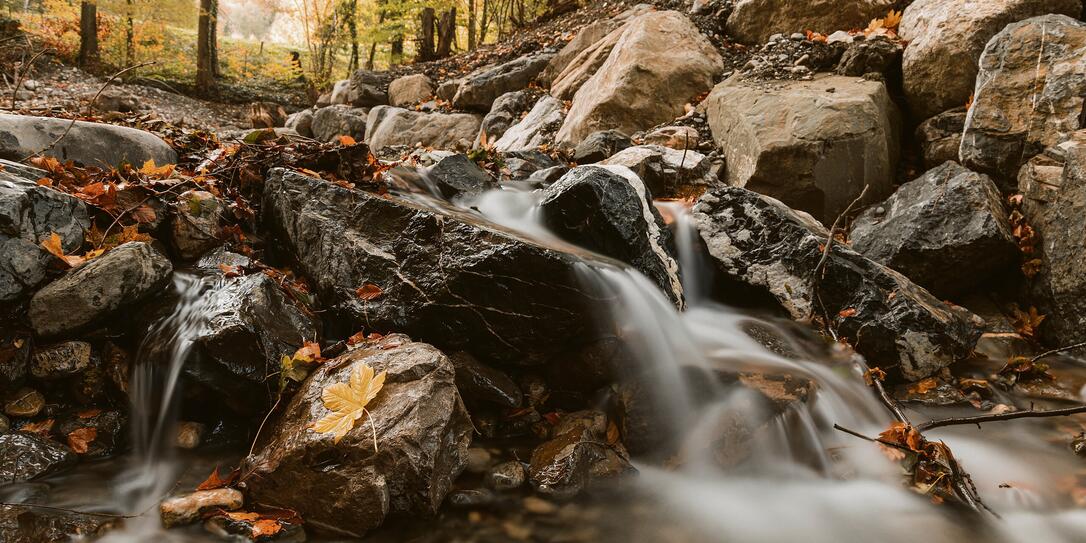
[(1027, 414)]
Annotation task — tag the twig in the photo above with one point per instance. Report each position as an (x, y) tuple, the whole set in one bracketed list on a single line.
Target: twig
[(880, 441), (836, 222), (1058, 350), (66, 510), (22, 74), (1027, 414), (256, 438)]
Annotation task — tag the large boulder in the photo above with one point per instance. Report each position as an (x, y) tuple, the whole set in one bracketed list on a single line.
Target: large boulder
[(536, 128), (754, 21), (1029, 95), (24, 456), (388, 125), (667, 172), (505, 112), (946, 39), (99, 289), (479, 90), (457, 176), (409, 90), (586, 37), (329, 123), (812, 144), (92, 144), (366, 89), (660, 63), (584, 65), (946, 230), (448, 278), (30, 214), (609, 210), (301, 122), (895, 324), (423, 433)]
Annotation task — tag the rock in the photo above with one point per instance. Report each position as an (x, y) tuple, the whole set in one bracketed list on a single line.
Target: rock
[(565, 465), (99, 289), (60, 360), (329, 123), (946, 39), (25, 402), (423, 436), (600, 145), (478, 382), (365, 89), (388, 125), (590, 420), (667, 172), (539, 506), (92, 144), (609, 210), (478, 460), (409, 90), (301, 122), (506, 110), (186, 509), (674, 137), (940, 137), (760, 242), (522, 164), (755, 21), (584, 65), (812, 144), (107, 426), (586, 37), (535, 129), (547, 176), (251, 324), (877, 55), (947, 231), (457, 176), (472, 498), (447, 89), (196, 223), (29, 524), (341, 93), (189, 435), (5, 425), (14, 358), (479, 90), (29, 215), (267, 115), (660, 62), (115, 100), (1026, 99), (25, 456), (457, 281), (506, 476)]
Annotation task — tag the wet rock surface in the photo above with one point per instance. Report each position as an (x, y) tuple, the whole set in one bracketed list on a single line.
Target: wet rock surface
[(197, 222), (93, 144), (60, 360), (187, 508), (478, 382), (28, 524), (423, 436), (25, 456), (457, 176)]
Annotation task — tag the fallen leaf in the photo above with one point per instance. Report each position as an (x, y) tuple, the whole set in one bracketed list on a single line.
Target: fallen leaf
[(242, 516), (924, 386), (157, 172), (81, 438), (309, 351), (368, 291), (846, 313), (41, 428), (53, 245), (356, 338), (215, 480), (346, 140), (874, 374), (347, 402), (266, 527)]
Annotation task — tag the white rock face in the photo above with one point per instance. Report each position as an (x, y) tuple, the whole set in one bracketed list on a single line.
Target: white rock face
[(533, 130), (410, 89), (389, 125)]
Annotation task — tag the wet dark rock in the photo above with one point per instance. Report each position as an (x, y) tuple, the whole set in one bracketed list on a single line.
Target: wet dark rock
[(29, 214), (109, 427), (479, 460), (940, 137), (946, 230), (600, 145), (457, 176), (547, 176), (472, 498), (14, 358), (213, 259), (251, 324), (60, 359), (329, 123), (196, 223), (506, 476), (505, 112), (366, 90), (92, 144), (28, 524), (449, 278), (25, 402), (423, 435), (189, 435), (478, 382), (565, 465), (186, 509), (876, 55), (609, 210), (24, 456), (479, 90), (5, 424), (97, 290), (590, 420), (522, 164), (759, 241)]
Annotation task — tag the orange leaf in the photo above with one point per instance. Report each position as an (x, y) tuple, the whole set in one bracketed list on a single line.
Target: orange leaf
[(53, 245), (150, 170), (243, 516), (346, 140), (308, 352), (357, 338), (924, 386), (369, 291), (89, 413), (846, 313), (81, 438), (230, 271), (41, 428), (216, 481), (266, 527), (874, 374)]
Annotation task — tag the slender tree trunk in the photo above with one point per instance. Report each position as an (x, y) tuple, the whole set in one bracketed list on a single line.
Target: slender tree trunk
[(471, 25), (205, 75), (213, 41), (426, 35), (88, 33), (446, 33), (396, 51), (484, 23), (352, 29), (129, 36)]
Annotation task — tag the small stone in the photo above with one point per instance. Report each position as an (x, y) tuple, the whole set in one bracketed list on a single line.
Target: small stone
[(506, 476), (60, 360), (798, 36), (479, 460), (26, 402), (776, 37), (471, 498), (186, 509), (190, 435), (539, 506), (479, 382), (590, 420), (196, 223)]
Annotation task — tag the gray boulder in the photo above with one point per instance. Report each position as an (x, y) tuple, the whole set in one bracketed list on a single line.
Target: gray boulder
[(329, 123), (479, 90), (409, 90), (609, 210), (522, 164), (423, 433), (895, 324), (940, 137), (504, 113), (1029, 95), (388, 126), (25, 456), (92, 144), (301, 122), (876, 55), (457, 175), (600, 145), (536, 129), (366, 89), (947, 231), (30, 214), (99, 289), (447, 277), (667, 172), (754, 21), (812, 144)]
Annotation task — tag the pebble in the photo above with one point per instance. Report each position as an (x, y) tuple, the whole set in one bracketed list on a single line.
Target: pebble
[(471, 498), (798, 36), (26, 402), (60, 360), (186, 509), (539, 506), (190, 435), (5, 424), (506, 476)]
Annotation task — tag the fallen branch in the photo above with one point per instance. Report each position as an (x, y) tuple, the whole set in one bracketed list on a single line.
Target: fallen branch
[(1058, 350), (833, 229), (1027, 414), (66, 510)]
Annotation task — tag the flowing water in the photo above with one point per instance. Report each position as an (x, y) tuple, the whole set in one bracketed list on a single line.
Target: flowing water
[(803, 480)]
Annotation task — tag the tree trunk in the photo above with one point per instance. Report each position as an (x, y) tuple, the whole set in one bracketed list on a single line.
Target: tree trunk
[(426, 35), (352, 29), (88, 33), (446, 33), (396, 52), (129, 36), (205, 75), (484, 23), (213, 41), (471, 25)]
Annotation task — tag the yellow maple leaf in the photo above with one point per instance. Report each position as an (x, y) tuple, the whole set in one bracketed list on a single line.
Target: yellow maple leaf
[(160, 172), (347, 402)]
